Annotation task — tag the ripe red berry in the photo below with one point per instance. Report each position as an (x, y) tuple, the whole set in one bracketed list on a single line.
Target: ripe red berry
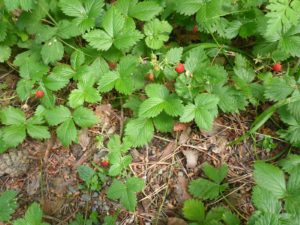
[(104, 163), (277, 67), (39, 94), (180, 68), (150, 76), (195, 29)]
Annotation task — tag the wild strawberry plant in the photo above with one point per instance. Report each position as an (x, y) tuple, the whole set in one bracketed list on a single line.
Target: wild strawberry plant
[(70, 54)]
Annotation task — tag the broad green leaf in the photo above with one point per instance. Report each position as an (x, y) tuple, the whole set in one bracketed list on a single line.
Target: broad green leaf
[(139, 131), (38, 131), (77, 59), (194, 210), (113, 21), (127, 38), (24, 88), (145, 11), (99, 39), (173, 56), (188, 7), (85, 173), (84, 117), (5, 52), (12, 116), (11, 4), (243, 70), (277, 89), (84, 93), (72, 8), (265, 201), (221, 214), (76, 98), (188, 113), (163, 122), (7, 205), (52, 51), (156, 91), (33, 216), (215, 174), (118, 164), (270, 178), (57, 115), (157, 32), (66, 132), (290, 162), (107, 81), (151, 107), (14, 135), (205, 189), (173, 106)]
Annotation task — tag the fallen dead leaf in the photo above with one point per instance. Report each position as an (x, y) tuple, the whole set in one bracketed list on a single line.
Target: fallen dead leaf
[(191, 158), (181, 190), (33, 184), (167, 150), (176, 221), (184, 136), (180, 126), (84, 139)]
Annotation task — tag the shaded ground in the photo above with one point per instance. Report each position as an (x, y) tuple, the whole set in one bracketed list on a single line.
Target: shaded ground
[(46, 172)]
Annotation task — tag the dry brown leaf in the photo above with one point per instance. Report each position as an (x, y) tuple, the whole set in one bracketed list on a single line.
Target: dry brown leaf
[(33, 184), (184, 136), (84, 139), (191, 158), (176, 221), (167, 150), (180, 126), (181, 188), (215, 129)]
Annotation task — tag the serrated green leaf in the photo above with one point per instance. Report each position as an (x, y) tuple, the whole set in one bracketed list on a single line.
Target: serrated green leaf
[(7, 205), (194, 210), (265, 201), (52, 51), (24, 88), (5, 52), (157, 32), (277, 89), (145, 11), (12, 116), (173, 106), (38, 131), (174, 55), (243, 70), (215, 174), (139, 131), (107, 81), (74, 8), (290, 162), (84, 117), (77, 59), (163, 122), (151, 107), (188, 7), (113, 21), (57, 115), (85, 173), (32, 216), (99, 39), (270, 178), (66, 132), (205, 189), (49, 99), (127, 38), (14, 135)]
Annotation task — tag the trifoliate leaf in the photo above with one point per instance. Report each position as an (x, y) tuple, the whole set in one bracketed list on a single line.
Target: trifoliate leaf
[(163, 122), (139, 131), (33, 215), (215, 174), (57, 115), (85, 173), (7, 205), (84, 117), (126, 192), (38, 131), (157, 32), (194, 210), (66, 132), (265, 201), (99, 39), (14, 135), (52, 51), (221, 214), (205, 189), (243, 70), (145, 11), (12, 116), (5, 52), (84, 93), (270, 178)]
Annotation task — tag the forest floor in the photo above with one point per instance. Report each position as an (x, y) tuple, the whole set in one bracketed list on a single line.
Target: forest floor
[(45, 172)]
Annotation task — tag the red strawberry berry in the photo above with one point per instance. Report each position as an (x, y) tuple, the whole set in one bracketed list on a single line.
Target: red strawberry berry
[(150, 76), (277, 67), (195, 29), (39, 94), (180, 68), (104, 163)]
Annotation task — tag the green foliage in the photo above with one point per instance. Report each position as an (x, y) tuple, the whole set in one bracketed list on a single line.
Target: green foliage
[(80, 220), (126, 192), (275, 198), (8, 204), (209, 189), (33, 215)]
